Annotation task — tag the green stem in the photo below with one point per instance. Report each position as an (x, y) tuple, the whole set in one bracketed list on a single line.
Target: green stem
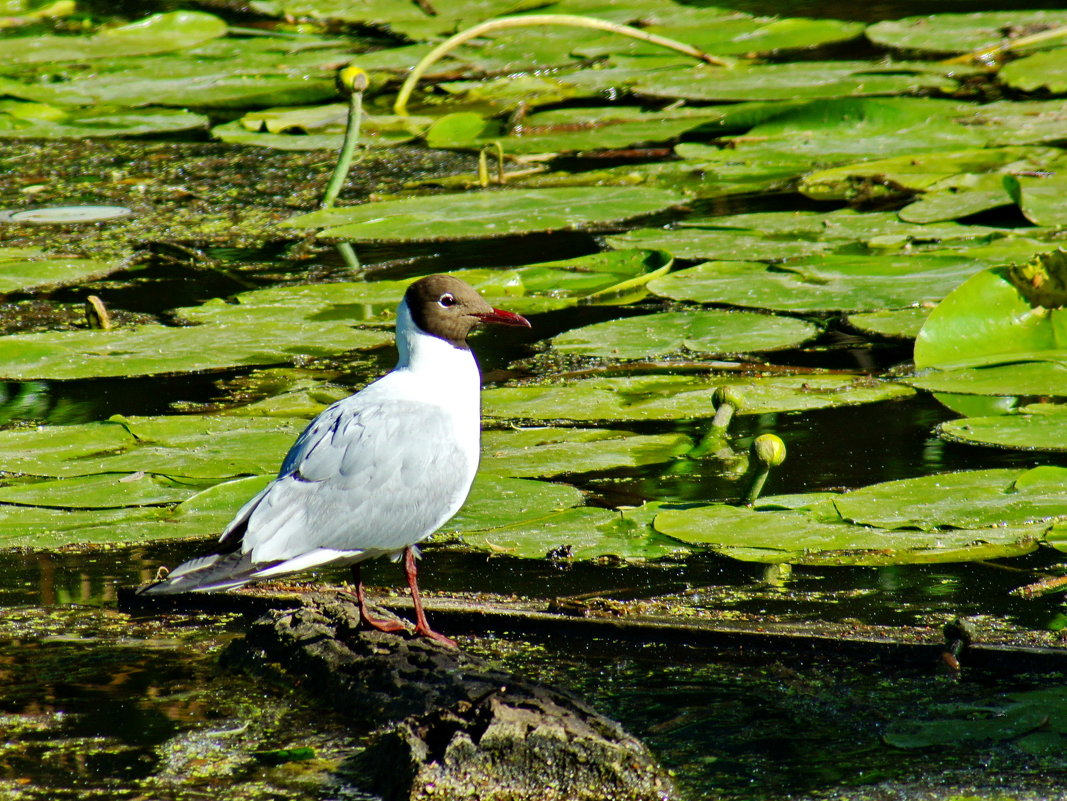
[(348, 149), (756, 487), (400, 107), (1015, 44), (348, 253)]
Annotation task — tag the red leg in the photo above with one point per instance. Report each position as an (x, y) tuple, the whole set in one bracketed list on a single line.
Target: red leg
[(365, 616), (421, 626)]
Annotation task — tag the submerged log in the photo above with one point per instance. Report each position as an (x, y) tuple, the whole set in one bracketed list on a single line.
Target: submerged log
[(448, 725)]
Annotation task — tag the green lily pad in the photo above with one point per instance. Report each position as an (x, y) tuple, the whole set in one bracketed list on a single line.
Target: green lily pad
[(1002, 332), (1022, 122), (961, 33), (157, 349), (546, 452), (571, 129), (203, 515), (30, 270), (1025, 432), (489, 213), (804, 79), (1040, 195), (225, 72), (824, 283), (22, 120), (316, 128), (1042, 712), (972, 499), (812, 537), (104, 491), (672, 397), (158, 33), (1046, 70), (958, 171), (719, 332), (189, 446), (578, 533), (1037, 378), (895, 324)]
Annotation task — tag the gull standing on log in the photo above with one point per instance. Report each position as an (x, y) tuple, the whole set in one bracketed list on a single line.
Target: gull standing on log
[(376, 472)]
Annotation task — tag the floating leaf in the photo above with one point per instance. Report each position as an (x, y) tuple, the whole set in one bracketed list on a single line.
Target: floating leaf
[(190, 446), (488, 213), (827, 283), (895, 324), (316, 128), (544, 452), (158, 33), (577, 533), (961, 33), (720, 332), (29, 270), (19, 120), (672, 397), (813, 537), (226, 72), (804, 79), (103, 491), (1026, 432), (1001, 332), (971, 499)]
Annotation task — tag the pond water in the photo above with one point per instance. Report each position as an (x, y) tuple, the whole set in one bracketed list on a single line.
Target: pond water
[(99, 704)]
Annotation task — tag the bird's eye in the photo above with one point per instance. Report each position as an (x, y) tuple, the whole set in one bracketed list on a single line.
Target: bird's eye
[(447, 299)]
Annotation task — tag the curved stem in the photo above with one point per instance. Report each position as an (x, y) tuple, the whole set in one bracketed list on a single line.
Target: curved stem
[(348, 148), (501, 23)]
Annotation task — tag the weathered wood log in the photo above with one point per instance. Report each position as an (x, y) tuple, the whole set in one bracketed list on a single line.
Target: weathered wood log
[(448, 725)]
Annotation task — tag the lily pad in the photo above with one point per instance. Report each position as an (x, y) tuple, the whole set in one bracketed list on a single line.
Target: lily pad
[(316, 128), (895, 324), (104, 491), (191, 446), (227, 72), (972, 499), (961, 33), (578, 533), (158, 349), (489, 213), (158, 33), (826, 283), (673, 397), (23, 120), (1002, 332), (719, 332), (816, 538), (1025, 432), (29, 270), (546, 452), (804, 79)]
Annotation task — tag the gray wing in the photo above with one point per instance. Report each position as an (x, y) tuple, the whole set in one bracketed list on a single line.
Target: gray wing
[(367, 476)]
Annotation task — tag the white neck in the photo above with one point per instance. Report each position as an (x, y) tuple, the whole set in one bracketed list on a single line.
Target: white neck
[(433, 359)]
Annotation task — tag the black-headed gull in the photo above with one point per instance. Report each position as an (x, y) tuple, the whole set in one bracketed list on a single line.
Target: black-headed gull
[(376, 472)]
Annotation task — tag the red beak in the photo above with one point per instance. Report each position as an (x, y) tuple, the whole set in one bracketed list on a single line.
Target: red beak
[(501, 317)]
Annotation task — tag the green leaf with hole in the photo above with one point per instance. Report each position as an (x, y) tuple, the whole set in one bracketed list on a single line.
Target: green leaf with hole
[(488, 213), (710, 332), (676, 397)]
